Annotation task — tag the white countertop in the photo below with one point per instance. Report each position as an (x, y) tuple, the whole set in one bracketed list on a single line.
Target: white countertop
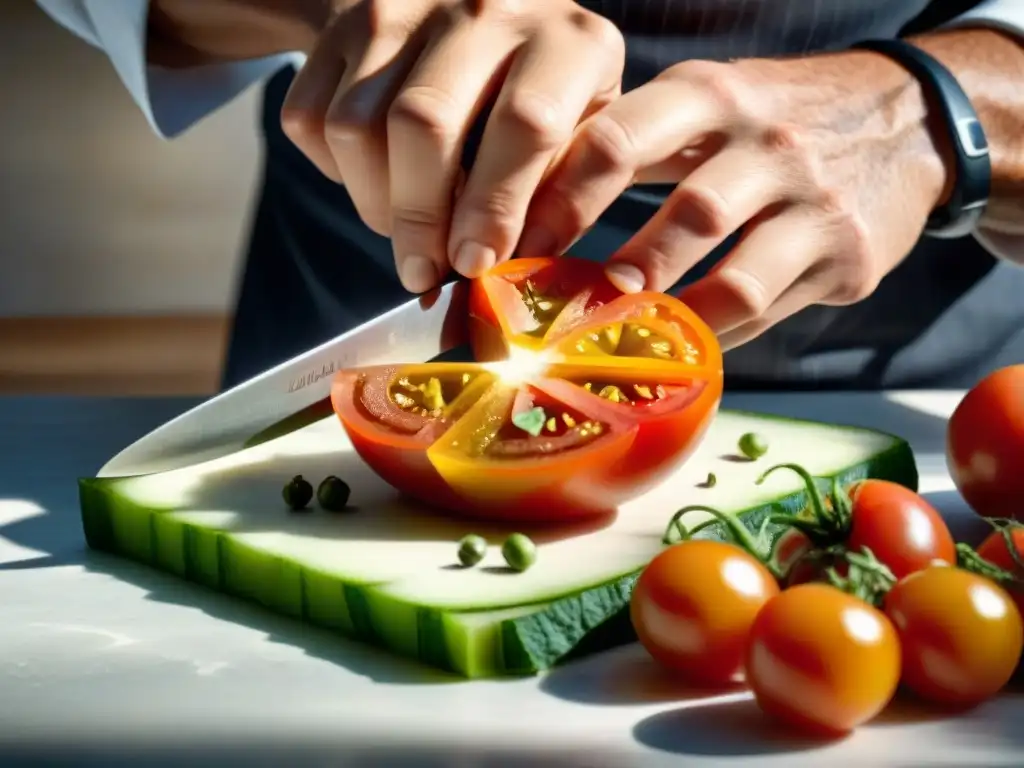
[(105, 662)]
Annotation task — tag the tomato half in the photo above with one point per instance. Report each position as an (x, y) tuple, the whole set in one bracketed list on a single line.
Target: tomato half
[(961, 635), (693, 607), (985, 445), (553, 432), (519, 301), (822, 660)]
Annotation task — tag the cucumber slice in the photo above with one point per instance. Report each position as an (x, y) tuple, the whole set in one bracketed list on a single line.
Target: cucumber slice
[(388, 573)]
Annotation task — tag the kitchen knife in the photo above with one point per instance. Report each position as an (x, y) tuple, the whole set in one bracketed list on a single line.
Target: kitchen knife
[(297, 392)]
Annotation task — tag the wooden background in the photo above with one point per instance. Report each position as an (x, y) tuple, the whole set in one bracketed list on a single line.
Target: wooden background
[(119, 251)]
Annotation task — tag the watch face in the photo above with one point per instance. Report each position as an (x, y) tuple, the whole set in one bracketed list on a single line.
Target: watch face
[(972, 136)]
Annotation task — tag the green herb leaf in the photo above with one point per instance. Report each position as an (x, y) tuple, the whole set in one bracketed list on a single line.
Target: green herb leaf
[(531, 421)]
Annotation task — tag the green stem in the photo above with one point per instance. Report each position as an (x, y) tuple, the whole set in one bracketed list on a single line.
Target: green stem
[(826, 519), (1006, 526), (968, 559), (741, 536), (867, 578)]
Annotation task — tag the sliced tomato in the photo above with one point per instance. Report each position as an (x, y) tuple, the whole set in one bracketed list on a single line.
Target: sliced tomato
[(520, 301), (985, 444), (549, 437)]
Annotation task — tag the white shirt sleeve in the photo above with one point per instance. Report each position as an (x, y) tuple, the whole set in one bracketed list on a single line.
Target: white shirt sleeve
[(173, 100), (1007, 16)]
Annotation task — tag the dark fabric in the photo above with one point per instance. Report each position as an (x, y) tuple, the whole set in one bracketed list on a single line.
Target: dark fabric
[(940, 319)]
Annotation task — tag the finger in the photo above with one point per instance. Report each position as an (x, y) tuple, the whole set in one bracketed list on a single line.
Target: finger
[(427, 127), (799, 296), (304, 110), (773, 255), (642, 128), (533, 118), (355, 127), (717, 199)]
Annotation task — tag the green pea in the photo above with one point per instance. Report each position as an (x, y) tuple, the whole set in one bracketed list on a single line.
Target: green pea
[(753, 445), (333, 494), (519, 552), (297, 493), (712, 480), (472, 549)]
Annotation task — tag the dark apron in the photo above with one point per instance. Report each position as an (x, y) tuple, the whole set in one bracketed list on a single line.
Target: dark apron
[(943, 318)]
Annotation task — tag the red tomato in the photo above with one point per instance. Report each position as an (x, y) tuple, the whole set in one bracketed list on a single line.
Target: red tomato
[(994, 550), (694, 604), (822, 660), (615, 417), (902, 529), (519, 301), (961, 635), (985, 444), (797, 560)]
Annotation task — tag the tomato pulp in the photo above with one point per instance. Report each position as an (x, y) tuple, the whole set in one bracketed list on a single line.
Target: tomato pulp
[(611, 399)]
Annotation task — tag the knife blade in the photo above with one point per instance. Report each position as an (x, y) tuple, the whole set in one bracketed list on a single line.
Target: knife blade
[(297, 392)]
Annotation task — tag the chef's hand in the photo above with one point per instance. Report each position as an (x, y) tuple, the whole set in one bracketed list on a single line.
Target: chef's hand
[(825, 164), (391, 88)]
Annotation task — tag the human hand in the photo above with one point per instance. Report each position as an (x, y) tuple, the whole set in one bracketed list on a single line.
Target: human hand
[(392, 87), (825, 165)]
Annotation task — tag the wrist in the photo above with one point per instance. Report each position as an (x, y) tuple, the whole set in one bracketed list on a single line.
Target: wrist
[(183, 33), (989, 65)]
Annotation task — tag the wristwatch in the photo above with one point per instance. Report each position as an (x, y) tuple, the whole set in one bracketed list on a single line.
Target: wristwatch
[(959, 215)]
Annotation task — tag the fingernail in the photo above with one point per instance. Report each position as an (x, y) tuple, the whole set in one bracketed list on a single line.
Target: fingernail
[(472, 258), (626, 277), (538, 242), (417, 274)]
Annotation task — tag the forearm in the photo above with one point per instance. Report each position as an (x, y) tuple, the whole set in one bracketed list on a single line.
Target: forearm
[(990, 67), (186, 33)]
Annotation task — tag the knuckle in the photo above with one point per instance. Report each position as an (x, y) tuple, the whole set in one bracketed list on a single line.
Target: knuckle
[(784, 139), (420, 218), (700, 210), (498, 9), (750, 293), (301, 126), (716, 80), (499, 208), (858, 275), (424, 109), (535, 118), (601, 30), (609, 143)]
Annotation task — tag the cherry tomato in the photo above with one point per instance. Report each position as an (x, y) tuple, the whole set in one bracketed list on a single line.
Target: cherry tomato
[(961, 634), (822, 660), (985, 444), (995, 551), (693, 606), (902, 529), (795, 559)]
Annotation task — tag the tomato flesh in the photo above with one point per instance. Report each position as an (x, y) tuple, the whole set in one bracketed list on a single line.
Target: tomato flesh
[(693, 607), (519, 302), (821, 660), (549, 434), (985, 444), (961, 635), (900, 527)]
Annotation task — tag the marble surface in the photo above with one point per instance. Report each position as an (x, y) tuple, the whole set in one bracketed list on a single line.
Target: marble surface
[(104, 662)]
